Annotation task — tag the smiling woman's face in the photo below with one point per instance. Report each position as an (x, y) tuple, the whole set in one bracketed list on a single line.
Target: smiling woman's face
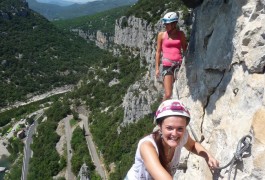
[(173, 129)]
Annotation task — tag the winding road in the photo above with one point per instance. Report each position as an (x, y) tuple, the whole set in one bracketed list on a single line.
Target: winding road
[(92, 149), (68, 133), (27, 150)]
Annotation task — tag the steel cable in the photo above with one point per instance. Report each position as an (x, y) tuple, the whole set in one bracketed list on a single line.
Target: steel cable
[(243, 146)]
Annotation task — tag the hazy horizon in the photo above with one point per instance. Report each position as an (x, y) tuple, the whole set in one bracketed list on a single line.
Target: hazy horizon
[(64, 2)]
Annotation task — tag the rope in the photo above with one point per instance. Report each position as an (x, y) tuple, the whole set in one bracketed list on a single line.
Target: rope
[(193, 133), (243, 146)]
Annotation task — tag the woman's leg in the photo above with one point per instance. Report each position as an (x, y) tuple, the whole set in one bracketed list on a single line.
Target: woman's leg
[(168, 85)]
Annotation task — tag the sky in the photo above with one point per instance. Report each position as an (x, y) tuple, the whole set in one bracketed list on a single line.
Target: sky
[(64, 1)]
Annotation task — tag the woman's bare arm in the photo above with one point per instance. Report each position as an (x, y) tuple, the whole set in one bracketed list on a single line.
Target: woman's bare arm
[(158, 52), (152, 163), (198, 149), (184, 43)]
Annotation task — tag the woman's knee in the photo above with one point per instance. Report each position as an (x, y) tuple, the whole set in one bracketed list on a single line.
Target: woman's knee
[(168, 94)]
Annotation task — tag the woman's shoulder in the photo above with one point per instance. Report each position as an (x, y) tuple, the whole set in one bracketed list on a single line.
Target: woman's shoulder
[(148, 143), (147, 140), (181, 32), (161, 34)]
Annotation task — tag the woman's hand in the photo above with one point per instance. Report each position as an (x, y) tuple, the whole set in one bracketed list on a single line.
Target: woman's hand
[(157, 73), (198, 149), (212, 163)]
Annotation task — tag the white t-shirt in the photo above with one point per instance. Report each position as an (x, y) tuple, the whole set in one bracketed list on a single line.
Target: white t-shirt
[(138, 170)]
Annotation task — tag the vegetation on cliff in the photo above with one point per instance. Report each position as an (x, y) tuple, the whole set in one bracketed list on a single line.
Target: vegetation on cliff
[(44, 151), (56, 12), (152, 10), (104, 21), (81, 154), (35, 56)]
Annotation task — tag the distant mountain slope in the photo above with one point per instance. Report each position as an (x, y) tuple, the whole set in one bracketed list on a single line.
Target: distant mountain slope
[(56, 2), (103, 21), (55, 12), (35, 56)]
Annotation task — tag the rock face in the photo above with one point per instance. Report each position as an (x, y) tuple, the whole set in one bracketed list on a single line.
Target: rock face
[(222, 82), (140, 37), (101, 39)]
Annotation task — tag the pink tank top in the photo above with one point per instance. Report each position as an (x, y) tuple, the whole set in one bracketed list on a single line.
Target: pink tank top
[(171, 49)]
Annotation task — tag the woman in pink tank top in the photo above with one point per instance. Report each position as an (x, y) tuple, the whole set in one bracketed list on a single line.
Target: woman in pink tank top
[(171, 44)]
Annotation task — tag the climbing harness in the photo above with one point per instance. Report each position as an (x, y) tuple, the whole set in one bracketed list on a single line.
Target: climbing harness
[(174, 65), (243, 146)]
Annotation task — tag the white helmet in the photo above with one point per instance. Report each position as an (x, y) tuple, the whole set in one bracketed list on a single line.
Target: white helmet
[(172, 107), (170, 17)]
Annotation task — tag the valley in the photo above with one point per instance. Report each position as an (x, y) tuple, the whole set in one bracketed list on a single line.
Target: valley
[(56, 91), (90, 81), (65, 145), (54, 12)]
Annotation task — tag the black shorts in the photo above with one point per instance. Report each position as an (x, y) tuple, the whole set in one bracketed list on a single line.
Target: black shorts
[(170, 72)]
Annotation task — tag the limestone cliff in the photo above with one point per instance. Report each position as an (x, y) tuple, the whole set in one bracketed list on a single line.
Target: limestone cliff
[(101, 39), (140, 37), (222, 82)]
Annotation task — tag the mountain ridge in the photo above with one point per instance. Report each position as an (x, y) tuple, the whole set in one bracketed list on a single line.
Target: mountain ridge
[(35, 56), (56, 12), (221, 81), (56, 2)]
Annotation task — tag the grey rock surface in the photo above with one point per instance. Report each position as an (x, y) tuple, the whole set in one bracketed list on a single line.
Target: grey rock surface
[(221, 81)]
